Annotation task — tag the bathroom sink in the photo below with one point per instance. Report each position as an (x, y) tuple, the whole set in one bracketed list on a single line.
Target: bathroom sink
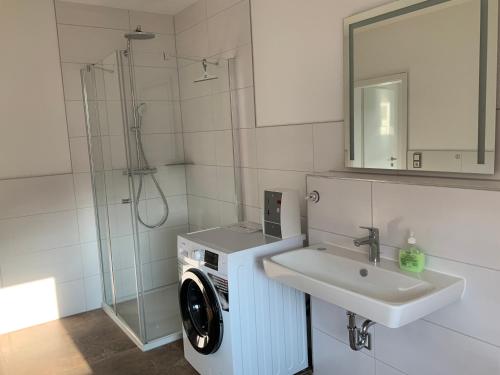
[(382, 293)]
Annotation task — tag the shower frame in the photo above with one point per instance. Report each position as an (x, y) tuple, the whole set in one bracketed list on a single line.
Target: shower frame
[(139, 338)]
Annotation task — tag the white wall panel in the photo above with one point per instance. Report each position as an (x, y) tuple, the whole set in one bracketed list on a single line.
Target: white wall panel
[(35, 136)]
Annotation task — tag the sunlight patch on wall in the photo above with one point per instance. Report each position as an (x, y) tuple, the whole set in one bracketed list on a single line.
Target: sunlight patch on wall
[(28, 304)]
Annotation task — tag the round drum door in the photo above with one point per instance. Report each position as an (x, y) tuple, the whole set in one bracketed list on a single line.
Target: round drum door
[(200, 311)]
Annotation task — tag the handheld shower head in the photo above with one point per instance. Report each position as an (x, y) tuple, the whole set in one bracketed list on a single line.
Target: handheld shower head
[(141, 109)]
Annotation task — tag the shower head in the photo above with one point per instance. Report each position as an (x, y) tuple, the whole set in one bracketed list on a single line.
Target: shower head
[(206, 76), (138, 34)]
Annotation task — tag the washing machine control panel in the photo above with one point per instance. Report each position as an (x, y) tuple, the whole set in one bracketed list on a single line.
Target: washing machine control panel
[(198, 256)]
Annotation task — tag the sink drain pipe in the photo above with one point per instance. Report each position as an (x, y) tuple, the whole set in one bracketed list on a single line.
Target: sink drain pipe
[(359, 338)]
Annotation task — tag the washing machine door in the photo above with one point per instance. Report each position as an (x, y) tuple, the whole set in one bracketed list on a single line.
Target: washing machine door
[(200, 311)]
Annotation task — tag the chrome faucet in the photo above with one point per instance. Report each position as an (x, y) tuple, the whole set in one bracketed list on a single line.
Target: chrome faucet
[(373, 240)]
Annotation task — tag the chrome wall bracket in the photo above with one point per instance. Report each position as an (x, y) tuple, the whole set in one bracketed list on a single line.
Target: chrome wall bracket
[(359, 338)]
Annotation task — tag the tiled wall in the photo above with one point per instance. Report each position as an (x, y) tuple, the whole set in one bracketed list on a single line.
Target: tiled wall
[(90, 34), (218, 31), (458, 229), (269, 157), (49, 264)]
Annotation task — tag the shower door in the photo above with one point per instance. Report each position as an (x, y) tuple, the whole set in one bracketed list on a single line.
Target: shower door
[(113, 193), (137, 161)]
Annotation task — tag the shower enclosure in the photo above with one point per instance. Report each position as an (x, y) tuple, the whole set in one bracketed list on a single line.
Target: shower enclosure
[(136, 148)]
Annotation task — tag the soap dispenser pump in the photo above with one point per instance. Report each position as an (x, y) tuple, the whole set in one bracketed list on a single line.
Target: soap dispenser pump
[(411, 258)]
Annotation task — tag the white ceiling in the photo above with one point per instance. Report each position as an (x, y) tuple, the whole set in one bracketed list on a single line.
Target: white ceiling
[(155, 6)]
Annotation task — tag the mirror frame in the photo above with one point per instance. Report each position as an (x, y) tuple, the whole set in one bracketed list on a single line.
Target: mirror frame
[(487, 64)]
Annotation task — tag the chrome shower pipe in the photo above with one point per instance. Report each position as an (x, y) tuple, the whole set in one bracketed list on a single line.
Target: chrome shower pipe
[(142, 162)]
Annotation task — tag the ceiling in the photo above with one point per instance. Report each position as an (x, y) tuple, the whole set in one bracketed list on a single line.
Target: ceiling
[(155, 6)]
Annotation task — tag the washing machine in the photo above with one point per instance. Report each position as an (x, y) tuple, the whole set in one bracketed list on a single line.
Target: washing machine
[(236, 321)]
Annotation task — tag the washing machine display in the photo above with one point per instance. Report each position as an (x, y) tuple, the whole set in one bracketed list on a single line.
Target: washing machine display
[(201, 312)]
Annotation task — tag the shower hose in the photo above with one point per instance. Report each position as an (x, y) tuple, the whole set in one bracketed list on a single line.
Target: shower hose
[(143, 166)]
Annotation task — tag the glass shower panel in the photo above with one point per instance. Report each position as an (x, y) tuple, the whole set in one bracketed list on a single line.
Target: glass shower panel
[(119, 190), (95, 124), (211, 142), (156, 148)]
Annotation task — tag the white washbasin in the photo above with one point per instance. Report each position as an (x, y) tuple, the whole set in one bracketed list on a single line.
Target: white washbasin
[(382, 293)]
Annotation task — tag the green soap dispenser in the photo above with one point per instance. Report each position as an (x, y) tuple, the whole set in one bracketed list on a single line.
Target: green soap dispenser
[(411, 258)]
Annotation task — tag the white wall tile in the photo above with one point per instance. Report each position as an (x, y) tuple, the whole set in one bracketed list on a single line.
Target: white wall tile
[(164, 272), (90, 259), (228, 213), (200, 148), (93, 293), (178, 214), (285, 147), (425, 348), (193, 42), (249, 186), (79, 44), (62, 264), (225, 184), (72, 83), (123, 252), (247, 148), (467, 315), (197, 114), (203, 212), (38, 232), (154, 83), (190, 16), (120, 220), (86, 224), (445, 221), (161, 149), (243, 108), (224, 148), (83, 190), (156, 52), (215, 6), (229, 29), (89, 15), (172, 180), (28, 196), (114, 115), (343, 207), (202, 180), (383, 369), (79, 155), (154, 22), (161, 117), (70, 297), (328, 146), (331, 356), (118, 153), (163, 242), (76, 119)]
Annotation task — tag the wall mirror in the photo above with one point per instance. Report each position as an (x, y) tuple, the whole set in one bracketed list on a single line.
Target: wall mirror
[(420, 86)]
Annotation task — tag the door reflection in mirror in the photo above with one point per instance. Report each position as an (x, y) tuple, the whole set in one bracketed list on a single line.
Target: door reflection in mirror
[(380, 122)]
